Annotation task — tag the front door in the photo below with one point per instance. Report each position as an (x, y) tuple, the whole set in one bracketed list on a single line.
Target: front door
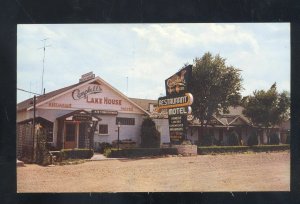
[(70, 135), (82, 135)]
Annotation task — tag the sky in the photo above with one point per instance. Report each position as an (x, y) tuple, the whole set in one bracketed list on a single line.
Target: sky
[(137, 58)]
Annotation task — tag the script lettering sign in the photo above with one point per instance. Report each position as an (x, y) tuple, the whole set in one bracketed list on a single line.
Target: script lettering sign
[(78, 94)]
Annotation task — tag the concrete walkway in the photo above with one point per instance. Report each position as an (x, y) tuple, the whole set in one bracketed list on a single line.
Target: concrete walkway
[(101, 157)]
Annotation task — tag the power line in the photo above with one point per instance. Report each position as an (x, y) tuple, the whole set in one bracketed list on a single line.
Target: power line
[(28, 91)]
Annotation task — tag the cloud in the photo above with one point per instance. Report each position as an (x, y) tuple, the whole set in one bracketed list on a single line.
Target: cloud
[(148, 53)]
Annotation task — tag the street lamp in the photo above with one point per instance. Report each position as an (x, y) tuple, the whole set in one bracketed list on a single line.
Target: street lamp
[(119, 125)]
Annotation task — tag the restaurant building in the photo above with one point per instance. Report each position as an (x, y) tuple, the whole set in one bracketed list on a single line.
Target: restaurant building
[(82, 116)]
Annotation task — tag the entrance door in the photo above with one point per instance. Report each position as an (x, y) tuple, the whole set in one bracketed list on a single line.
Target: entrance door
[(70, 133), (82, 135)]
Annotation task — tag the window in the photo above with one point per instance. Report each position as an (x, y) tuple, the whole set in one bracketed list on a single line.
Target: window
[(103, 129), (70, 132), (125, 121), (49, 133)]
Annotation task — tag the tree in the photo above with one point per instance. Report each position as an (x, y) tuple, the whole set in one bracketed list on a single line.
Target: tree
[(150, 137), (215, 86), (267, 108)]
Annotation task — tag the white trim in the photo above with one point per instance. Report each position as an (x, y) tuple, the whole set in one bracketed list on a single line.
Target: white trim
[(219, 120)]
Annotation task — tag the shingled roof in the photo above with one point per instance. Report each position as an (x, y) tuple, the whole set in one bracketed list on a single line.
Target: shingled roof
[(144, 103)]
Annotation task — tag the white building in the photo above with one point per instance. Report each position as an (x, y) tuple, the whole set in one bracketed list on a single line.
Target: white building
[(66, 116)]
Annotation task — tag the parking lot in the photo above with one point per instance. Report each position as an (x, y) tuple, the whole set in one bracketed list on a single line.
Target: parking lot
[(202, 173)]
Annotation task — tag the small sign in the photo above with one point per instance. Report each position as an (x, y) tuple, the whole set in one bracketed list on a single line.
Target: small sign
[(87, 76), (82, 117), (177, 127), (180, 111), (104, 112), (179, 82)]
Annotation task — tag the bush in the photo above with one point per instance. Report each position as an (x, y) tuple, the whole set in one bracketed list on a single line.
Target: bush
[(252, 140), (102, 146), (222, 149), (42, 151), (274, 139), (141, 152), (241, 149), (233, 139), (288, 138), (207, 140), (150, 137), (77, 153), (270, 148)]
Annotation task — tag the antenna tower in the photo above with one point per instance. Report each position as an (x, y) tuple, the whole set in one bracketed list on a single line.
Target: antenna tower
[(44, 47)]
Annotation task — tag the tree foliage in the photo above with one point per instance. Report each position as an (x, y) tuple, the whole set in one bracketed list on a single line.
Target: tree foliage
[(215, 86), (150, 137), (267, 108)]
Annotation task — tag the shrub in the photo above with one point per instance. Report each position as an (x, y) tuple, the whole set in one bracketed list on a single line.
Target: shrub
[(42, 154), (274, 139), (207, 140), (222, 149), (252, 140), (269, 148), (141, 152), (77, 153), (150, 137), (233, 139), (288, 138), (102, 146), (241, 149)]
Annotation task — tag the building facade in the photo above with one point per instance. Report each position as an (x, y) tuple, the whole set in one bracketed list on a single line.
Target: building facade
[(92, 112), (80, 116)]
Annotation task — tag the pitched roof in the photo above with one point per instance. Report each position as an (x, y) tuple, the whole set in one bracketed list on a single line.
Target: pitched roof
[(144, 103), (43, 98), (28, 103)]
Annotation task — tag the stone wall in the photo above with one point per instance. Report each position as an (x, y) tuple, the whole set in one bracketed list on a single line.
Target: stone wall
[(186, 150)]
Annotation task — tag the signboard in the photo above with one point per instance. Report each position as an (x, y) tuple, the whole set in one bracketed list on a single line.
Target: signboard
[(104, 112), (179, 82), (180, 111), (87, 76), (82, 117), (177, 128), (175, 101), (83, 93)]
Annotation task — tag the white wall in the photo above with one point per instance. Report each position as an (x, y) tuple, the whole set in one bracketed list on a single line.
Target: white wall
[(162, 125), (132, 132)]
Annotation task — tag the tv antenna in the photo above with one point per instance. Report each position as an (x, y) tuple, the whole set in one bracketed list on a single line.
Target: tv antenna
[(127, 86), (44, 47)]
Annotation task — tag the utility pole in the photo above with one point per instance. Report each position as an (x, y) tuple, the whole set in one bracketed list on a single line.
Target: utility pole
[(33, 135), (44, 47)]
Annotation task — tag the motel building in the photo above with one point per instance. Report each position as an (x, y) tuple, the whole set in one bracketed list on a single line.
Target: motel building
[(84, 115)]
